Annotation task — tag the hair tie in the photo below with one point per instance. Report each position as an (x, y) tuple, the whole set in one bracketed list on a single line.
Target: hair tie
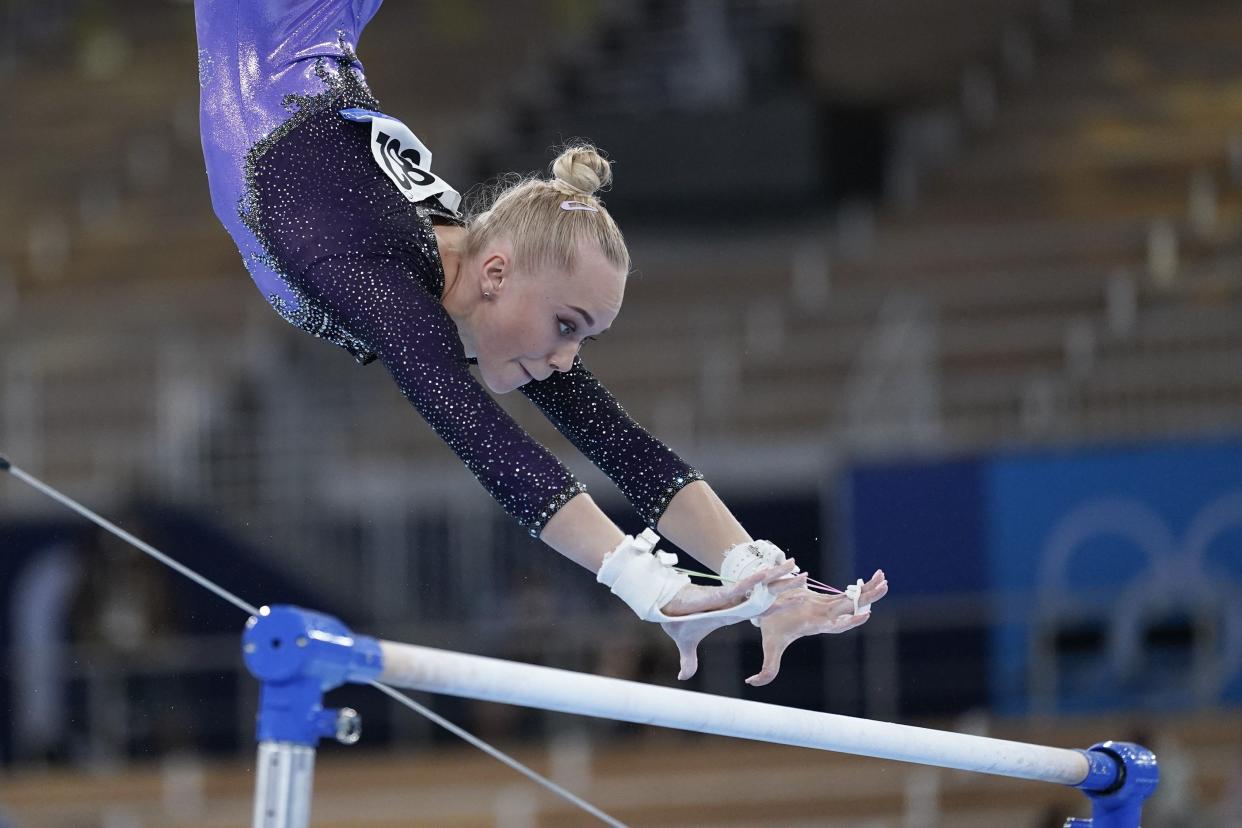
[(578, 205)]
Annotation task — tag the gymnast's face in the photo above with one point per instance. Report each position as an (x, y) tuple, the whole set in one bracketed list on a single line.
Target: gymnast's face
[(536, 321)]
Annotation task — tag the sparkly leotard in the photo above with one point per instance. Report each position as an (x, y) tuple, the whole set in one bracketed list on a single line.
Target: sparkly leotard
[(340, 253)]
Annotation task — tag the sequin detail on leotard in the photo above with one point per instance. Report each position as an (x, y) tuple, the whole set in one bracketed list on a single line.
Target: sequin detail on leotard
[(206, 68), (343, 87), (646, 471), (356, 249)]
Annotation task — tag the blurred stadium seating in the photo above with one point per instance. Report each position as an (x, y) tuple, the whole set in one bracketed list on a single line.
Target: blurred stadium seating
[(1018, 226)]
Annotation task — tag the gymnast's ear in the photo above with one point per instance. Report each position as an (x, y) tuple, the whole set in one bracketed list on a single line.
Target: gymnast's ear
[(497, 266)]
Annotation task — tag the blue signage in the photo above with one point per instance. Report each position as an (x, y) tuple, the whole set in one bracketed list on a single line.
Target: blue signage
[(1112, 571)]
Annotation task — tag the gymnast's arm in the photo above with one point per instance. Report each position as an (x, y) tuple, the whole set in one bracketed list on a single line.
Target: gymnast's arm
[(696, 520), (674, 497), (375, 298), (664, 489), (582, 532), (419, 345)]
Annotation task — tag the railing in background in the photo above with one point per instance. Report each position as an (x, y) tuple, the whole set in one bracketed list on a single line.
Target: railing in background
[(248, 435), (892, 397)]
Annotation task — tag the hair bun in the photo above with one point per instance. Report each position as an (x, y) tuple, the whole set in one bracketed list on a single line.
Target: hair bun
[(581, 171)]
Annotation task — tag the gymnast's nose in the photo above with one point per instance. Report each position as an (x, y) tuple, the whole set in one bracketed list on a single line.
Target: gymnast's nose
[(562, 358)]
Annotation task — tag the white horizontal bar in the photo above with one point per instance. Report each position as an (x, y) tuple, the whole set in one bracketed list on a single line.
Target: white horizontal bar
[(490, 679)]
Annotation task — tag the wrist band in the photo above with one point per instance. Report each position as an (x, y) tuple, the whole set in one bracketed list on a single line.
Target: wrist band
[(745, 559), (640, 576), (644, 579)]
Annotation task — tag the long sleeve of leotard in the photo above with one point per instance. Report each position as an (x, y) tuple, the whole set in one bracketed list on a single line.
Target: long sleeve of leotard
[(418, 343), (646, 471)]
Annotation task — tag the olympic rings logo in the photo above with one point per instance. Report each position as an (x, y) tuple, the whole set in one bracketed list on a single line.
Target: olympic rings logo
[(1173, 575)]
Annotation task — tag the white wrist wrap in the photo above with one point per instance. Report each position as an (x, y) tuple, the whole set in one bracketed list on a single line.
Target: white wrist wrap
[(745, 559), (641, 576), (644, 578)]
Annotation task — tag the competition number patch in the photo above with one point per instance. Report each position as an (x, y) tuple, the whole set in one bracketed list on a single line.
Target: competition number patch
[(404, 159)]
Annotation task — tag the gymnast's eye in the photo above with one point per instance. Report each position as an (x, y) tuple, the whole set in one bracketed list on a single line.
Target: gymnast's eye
[(566, 328)]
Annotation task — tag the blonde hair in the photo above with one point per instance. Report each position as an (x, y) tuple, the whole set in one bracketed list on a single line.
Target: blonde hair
[(528, 211)]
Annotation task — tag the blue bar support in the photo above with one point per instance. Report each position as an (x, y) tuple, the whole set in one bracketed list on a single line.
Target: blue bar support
[(298, 655), (1121, 778)]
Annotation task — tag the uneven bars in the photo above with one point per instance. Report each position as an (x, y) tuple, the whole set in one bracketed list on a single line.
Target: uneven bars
[(299, 654), (489, 679)]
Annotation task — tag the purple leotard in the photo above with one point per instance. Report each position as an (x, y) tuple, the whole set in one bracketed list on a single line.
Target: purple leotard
[(339, 252), (256, 60)]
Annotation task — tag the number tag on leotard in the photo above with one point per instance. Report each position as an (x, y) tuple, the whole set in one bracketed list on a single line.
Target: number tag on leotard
[(404, 159)]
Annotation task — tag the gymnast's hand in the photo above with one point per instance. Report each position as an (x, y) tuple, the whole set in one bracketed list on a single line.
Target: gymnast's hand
[(695, 598), (798, 613)]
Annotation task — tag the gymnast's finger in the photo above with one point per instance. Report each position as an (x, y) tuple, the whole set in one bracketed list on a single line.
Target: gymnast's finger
[(874, 593), (762, 576), (847, 622), (785, 584), (688, 651), (772, 652), (774, 573)]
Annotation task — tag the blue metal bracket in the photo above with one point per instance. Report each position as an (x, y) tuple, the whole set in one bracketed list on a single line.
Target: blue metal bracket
[(298, 655), (1121, 777)]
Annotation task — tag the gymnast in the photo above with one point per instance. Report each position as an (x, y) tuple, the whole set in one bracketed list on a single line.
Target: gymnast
[(351, 237)]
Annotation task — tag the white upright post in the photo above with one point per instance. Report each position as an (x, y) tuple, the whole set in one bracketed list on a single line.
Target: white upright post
[(284, 777)]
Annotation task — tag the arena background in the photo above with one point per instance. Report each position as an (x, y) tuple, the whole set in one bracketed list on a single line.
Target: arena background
[(953, 287)]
